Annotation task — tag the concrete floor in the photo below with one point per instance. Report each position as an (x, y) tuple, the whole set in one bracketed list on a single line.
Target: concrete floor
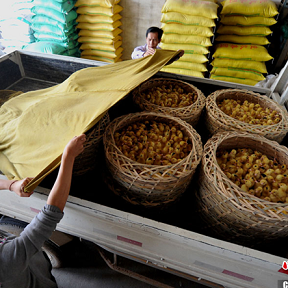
[(85, 268)]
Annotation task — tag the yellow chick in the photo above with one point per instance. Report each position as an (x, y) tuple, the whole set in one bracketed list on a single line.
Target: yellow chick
[(165, 162), (244, 188), (281, 194), (249, 183), (257, 174), (258, 191), (270, 179), (279, 177), (283, 186)]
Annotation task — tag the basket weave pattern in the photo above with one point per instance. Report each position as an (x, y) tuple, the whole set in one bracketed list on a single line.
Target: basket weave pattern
[(217, 121), (228, 210), (150, 185), (190, 114), (87, 160)]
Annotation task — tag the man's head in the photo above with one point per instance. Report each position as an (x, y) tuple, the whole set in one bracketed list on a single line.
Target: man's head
[(153, 37)]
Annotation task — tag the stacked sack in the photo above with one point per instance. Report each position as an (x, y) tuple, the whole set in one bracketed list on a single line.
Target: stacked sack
[(15, 22), (1, 47), (54, 26), (188, 25), (244, 27), (99, 32)]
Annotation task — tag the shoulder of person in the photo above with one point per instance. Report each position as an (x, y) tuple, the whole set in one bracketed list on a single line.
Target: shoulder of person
[(142, 47)]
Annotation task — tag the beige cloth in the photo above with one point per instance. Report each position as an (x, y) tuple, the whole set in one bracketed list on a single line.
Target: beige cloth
[(36, 126)]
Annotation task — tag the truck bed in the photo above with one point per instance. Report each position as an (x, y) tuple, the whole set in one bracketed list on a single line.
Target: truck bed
[(169, 238)]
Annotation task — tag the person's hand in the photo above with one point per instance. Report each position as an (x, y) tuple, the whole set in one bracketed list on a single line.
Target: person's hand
[(18, 187), (181, 53), (75, 146), (150, 51)]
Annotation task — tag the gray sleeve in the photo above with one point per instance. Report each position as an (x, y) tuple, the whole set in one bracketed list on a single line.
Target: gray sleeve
[(15, 253)]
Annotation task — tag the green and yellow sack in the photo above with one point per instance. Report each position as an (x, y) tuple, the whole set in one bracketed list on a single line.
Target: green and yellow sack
[(195, 58), (100, 33), (197, 8), (245, 64), (103, 59), (186, 39), (172, 28), (99, 26), (249, 8), (98, 18), (188, 65), (185, 19), (102, 11), (247, 21), (98, 40), (102, 3), (100, 46), (247, 30), (257, 40), (234, 80), (188, 48), (242, 52), (102, 53), (238, 73), (183, 72)]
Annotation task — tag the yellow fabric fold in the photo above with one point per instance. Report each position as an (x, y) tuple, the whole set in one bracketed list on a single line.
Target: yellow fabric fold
[(36, 126)]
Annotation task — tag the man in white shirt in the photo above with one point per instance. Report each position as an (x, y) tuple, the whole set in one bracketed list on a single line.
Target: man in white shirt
[(153, 38)]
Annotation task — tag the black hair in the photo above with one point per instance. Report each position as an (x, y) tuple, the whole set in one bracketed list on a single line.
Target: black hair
[(155, 30)]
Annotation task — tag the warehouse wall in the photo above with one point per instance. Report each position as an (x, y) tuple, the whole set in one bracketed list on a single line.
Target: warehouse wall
[(138, 15)]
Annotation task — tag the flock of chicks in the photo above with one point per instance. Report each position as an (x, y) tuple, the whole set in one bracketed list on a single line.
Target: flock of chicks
[(255, 173), (156, 143), (153, 143), (249, 112), (169, 95)]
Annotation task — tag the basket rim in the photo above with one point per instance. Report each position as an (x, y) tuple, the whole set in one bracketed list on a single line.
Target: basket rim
[(199, 101), (158, 115), (222, 136), (215, 106), (153, 183), (85, 161)]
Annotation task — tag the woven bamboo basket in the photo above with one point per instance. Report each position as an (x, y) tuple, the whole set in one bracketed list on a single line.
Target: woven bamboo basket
[(227, 210), (217, 121), (87, 160), (150, 185), (190, 114)]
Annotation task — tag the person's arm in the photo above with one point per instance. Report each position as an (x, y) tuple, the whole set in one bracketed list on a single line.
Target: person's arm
[(61, 188), (179, 55), (15, 254), (138, 52), (16, 186)]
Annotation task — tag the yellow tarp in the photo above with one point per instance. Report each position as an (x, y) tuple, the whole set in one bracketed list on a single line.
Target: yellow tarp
[(36, 126)]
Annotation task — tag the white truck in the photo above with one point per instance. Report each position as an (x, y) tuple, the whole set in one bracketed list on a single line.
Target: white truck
[(94, 214)]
